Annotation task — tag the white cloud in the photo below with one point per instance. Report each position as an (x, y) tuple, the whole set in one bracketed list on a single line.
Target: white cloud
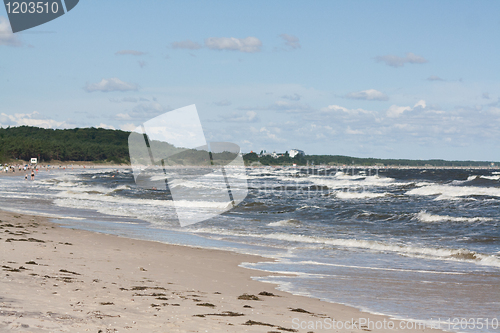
[(130, 52), (494, 110), (341, 109), (369, 95), (6, 36), (248, 117), (122, 116), (268, 133), (434, 78), (128, 127), (108, 85), (401, 126), (30, 119), (248, 45), (291, 41), (101, 125), (186, 44), (293, 97), (335, 108), (353, 132), (396, 111), (421, 104), (395, 61)]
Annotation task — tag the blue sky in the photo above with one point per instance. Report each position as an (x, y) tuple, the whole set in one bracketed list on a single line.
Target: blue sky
[(391, 79)]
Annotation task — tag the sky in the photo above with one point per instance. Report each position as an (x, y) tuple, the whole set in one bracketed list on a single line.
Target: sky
[(386, 79)]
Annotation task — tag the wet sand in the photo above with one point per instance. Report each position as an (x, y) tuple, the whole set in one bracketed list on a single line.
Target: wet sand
[(56, 279)]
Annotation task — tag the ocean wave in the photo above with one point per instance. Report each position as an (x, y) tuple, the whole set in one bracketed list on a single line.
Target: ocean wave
[(285, 223), (89, 189), (126, 210), (359, 195), (310, 262), (491, 177), (423, 216), (158, 212), (44, 214), (355, 181), (450, 192), (462, 255), (105, 199), (189, 184), (61, 181), (307, 206)]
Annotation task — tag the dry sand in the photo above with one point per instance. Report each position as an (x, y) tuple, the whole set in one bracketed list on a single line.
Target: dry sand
[(56, 279)]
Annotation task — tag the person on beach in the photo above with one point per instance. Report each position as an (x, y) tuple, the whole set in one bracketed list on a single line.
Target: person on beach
[(26, 177), (32, 174)]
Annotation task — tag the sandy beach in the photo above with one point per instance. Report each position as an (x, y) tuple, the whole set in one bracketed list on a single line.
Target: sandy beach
[(56, 279)]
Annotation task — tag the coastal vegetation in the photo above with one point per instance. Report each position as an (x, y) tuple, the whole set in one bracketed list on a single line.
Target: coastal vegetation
[(341, 160), (78, 144), (106, 145)]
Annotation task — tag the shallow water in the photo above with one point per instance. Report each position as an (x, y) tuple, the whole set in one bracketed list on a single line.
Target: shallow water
[(415, 244)]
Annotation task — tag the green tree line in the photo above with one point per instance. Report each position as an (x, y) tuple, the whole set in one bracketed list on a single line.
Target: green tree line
[(78, 144), (98, 144), (340, 160)]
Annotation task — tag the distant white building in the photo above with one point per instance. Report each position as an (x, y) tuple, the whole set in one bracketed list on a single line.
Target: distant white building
[(294, 152)]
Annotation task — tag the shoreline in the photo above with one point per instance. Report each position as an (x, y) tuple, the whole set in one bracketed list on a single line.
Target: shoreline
[(60, 279), (55, 165)]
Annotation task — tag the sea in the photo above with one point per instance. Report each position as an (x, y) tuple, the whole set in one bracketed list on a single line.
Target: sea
[(419, 244)]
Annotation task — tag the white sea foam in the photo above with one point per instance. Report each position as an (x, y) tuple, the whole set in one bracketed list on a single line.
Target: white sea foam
[(307, 206), (423, 216), (491, 177), (188, 183), (284, 223), (310, 262), (345, 181), (358, 195), (420, 184), (15, 195), (450, 192), (160, 177), (38, 213), (473, 177), (63, 181), (462, 255), (106, 199)]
